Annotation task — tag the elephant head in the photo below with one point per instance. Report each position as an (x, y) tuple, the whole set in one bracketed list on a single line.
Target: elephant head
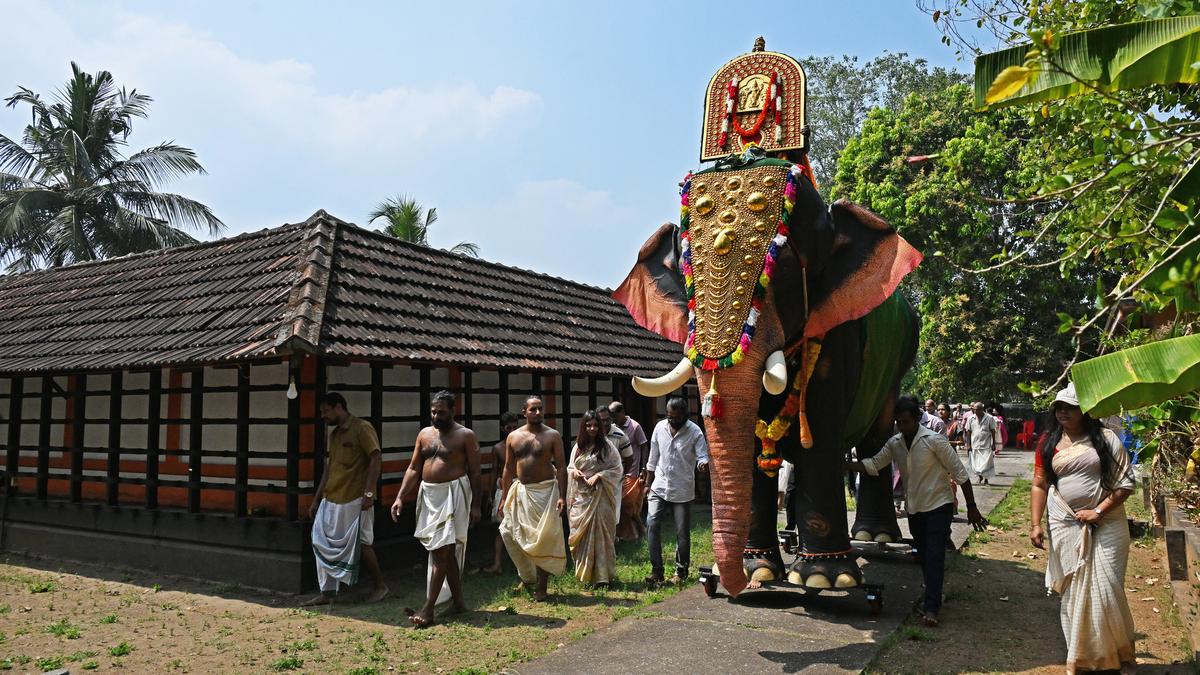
[(758, 263)]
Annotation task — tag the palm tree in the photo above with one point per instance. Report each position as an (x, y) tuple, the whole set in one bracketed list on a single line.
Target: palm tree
[(404, 218), (68, 194)]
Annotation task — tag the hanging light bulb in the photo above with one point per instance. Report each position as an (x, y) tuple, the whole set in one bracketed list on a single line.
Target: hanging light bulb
[(291, 392)]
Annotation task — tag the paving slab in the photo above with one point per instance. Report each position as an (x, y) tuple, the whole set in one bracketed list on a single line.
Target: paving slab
[(771, 630)]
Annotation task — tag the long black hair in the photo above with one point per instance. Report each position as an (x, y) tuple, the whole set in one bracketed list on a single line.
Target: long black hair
[(598, 445), (1095, 432)]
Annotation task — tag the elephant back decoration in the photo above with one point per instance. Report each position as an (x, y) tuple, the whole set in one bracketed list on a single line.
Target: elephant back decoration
[(789, 318)]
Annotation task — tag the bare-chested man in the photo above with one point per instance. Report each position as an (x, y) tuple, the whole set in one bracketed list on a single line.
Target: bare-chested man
[(443, 478), (533, 503)]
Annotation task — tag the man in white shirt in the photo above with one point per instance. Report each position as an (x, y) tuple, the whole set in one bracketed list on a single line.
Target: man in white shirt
[(924, 458), (677, 450)]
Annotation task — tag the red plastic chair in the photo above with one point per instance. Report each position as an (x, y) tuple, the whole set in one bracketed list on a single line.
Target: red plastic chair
[(1026, 438)]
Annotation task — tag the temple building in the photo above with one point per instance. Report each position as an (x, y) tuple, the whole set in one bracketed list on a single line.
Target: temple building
[(159, 410)]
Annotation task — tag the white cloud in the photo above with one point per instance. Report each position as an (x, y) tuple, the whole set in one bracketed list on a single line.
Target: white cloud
[(196, 78), (555, 226)]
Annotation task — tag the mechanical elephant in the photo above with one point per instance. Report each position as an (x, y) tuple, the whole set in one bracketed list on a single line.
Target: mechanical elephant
[(791, 322)]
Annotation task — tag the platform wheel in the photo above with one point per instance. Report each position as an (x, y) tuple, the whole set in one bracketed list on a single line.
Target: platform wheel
[(710, 587), (876, 606)]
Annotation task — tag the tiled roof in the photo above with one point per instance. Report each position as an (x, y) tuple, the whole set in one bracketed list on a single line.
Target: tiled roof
[(322, 286)]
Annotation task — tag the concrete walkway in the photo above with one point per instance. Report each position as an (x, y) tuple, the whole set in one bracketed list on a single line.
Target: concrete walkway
[(767, 631)]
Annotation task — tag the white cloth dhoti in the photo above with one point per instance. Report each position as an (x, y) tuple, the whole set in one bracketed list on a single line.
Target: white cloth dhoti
[(443, 517), (337, 534), (532, 529), (981, 463)]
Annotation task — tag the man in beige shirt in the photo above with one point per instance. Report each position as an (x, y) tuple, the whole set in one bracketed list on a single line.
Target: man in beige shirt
[(924, 457)]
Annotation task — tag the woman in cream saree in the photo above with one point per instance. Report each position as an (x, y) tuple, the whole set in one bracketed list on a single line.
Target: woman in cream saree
[(1082, 476), (593, 498)]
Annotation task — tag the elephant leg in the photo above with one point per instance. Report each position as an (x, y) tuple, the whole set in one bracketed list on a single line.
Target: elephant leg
[(826, 559), (762, 560), (875, 517)]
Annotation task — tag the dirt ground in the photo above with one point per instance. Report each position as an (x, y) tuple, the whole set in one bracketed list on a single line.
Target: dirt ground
[(997, 617), (93, 618)]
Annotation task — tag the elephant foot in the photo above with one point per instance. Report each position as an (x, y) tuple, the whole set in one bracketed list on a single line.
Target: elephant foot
[(762, 565), (826, 572), (879, 535)]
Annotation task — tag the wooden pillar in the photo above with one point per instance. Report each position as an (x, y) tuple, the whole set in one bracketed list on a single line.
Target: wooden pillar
[(468, 399), (377, 416), (591, 392), (503, 377), (195, 440), (565, 392), (78, 425), (43, 451), (241, 460), (426, 419), (319, 426), (15, 395), (153, 424), (113, 482), (293, 452)]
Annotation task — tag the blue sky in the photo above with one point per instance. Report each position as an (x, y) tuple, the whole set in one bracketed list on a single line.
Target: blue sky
[(552, 134)]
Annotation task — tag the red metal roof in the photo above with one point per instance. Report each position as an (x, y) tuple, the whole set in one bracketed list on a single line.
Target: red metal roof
[(322, 286)]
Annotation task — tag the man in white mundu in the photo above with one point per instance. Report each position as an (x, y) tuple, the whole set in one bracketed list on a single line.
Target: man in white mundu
[(983, 442), (443, 479)]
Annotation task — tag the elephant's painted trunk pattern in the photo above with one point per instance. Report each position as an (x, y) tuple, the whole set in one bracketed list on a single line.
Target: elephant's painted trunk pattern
[(731, 445)]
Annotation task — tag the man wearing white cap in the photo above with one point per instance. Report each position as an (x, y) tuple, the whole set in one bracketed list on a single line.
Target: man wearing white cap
[(983, 442)]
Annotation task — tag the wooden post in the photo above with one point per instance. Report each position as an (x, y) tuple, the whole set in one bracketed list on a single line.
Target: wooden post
[(153, 423), (565, 393), (504, 391), (113, 483), (16, 391), (319, 426), (241, 466), (468, 399), (591, 392), (43, 452), (377, 416), (293, 453), (78, 422), (195, 440), (426, 419)]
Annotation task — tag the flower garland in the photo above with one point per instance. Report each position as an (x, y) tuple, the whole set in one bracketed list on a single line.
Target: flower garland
[(760, 286), (769, 460)]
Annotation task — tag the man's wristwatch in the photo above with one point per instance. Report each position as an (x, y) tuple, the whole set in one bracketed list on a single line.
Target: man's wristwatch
[(1098, 510), (369, 495)]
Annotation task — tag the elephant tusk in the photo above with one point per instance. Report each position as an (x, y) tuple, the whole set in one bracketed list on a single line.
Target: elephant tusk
[(661, 386), (775, 376)]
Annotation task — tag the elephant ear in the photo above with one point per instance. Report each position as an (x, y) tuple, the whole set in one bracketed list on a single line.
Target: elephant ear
[(653, 292), (868, 260)]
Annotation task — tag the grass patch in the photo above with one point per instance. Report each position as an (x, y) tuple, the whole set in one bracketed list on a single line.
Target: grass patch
[(108, 618), (364, 670), (306, 646), (89, 665), (81, 656), (287, 663), (122, 649), (49, 662), (63, 628), (42, 587)]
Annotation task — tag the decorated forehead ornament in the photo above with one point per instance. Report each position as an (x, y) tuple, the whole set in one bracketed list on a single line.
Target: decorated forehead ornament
[(756, 98)]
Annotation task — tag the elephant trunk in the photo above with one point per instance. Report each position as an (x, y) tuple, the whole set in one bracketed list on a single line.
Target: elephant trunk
[(731, 444)]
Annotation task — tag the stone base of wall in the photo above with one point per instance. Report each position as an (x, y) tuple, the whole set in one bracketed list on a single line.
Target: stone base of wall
[(1183, 566)]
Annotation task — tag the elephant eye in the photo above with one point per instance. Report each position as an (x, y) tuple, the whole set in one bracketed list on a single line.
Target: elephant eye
[(669, 263)]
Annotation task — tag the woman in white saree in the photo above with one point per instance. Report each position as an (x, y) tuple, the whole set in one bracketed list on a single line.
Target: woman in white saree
[(1082, 476), (594, 475)]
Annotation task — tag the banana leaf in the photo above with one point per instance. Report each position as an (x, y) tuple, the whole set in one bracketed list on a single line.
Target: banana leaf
[(1124, 56), (1137, 377)]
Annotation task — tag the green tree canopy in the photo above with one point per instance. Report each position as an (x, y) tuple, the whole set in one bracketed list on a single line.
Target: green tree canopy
[(405, 218), (69, 194)]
